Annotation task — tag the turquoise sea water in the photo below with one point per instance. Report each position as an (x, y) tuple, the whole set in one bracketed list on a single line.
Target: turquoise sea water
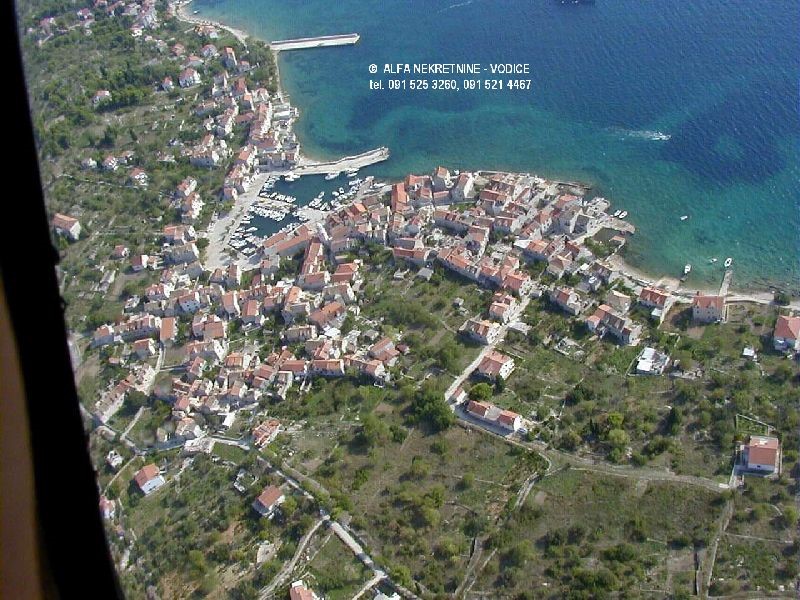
[(719, 76)]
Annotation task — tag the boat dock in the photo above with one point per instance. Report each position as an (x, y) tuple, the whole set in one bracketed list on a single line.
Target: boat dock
[(347, 163), (726, 282), (321, 41), (621, 226)]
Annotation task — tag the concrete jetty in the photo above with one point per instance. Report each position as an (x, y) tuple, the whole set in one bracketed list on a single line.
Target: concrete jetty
[(726, 283), (321, 41), (359, 161)]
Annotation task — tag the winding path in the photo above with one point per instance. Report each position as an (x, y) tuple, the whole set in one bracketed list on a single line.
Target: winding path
[(287, 568)]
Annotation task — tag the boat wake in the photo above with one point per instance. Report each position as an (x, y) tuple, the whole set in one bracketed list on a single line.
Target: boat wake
[(457, 5), (640, 134)]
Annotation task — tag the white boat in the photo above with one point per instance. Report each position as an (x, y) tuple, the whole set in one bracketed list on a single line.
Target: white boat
[(340, 190), (684, 217), (335, 194), (687, 269), (616, 213), (623, 214), (330, 176), (291, 177), (728, 262), (352, 173), (712, 260)]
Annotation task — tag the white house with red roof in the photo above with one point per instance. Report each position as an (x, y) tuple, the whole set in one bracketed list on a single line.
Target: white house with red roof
[(265, 432), (566, 299), (101, 97), (494, 415), (66, 226), (140, 262), (269, 499), (658, 300), (299, 591), (786, 336), (761, 453), (138, 176), (189, 77), (496, 364), (481, 330), (149, 479), (708, 309)]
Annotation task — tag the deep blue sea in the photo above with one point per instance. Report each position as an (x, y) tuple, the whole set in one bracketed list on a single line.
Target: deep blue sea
[(721, 77)]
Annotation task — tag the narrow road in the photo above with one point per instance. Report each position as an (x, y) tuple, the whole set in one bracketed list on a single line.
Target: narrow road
[(117, 474), (376, 579), (707, 567), (477, 552), (486, 349), (230, 442), (133, 422), (344, 534), (587, 464), (287, 568), (526, 488)]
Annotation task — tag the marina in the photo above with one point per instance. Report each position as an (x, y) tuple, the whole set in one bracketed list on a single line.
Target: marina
[(281, 204)]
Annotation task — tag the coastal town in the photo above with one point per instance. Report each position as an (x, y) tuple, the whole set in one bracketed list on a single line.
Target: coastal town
[(481, 325)]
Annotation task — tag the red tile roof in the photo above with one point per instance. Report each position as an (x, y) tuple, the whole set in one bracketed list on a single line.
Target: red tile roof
[(787, 327), (145, 474), (701, 301), (269, 496)]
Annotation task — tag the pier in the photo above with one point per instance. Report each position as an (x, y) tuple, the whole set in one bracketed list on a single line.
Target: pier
[(726, 282), (359, 161), (322, 41)]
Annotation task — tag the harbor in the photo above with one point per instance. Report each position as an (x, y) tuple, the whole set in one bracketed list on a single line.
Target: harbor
[(279, 203), (322, 41)]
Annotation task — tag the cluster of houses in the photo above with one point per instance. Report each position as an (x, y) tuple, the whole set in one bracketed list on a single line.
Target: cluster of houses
[(200, 307), (142, 14), (111, 163), (231, 101)]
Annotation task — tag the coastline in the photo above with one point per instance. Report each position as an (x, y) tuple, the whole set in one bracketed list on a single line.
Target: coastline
[(182, 13), (685, 293), (737, 292)]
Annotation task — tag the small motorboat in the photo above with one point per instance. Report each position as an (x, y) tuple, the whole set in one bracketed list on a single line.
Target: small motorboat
[(330, 176), (684, 217), (623, 214), (616, 213), (728, 262), (712, 260)]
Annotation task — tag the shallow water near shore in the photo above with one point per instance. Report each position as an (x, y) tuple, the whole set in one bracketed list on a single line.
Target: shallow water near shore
[(719, 78)]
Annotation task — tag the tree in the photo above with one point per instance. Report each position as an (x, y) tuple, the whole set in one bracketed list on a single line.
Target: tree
[(615, 420), (618, 438), (137, 399), (789, 517), (480, 392), (519, 554), (782, 298), (374, 432), (674, 421), (430, 406)]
